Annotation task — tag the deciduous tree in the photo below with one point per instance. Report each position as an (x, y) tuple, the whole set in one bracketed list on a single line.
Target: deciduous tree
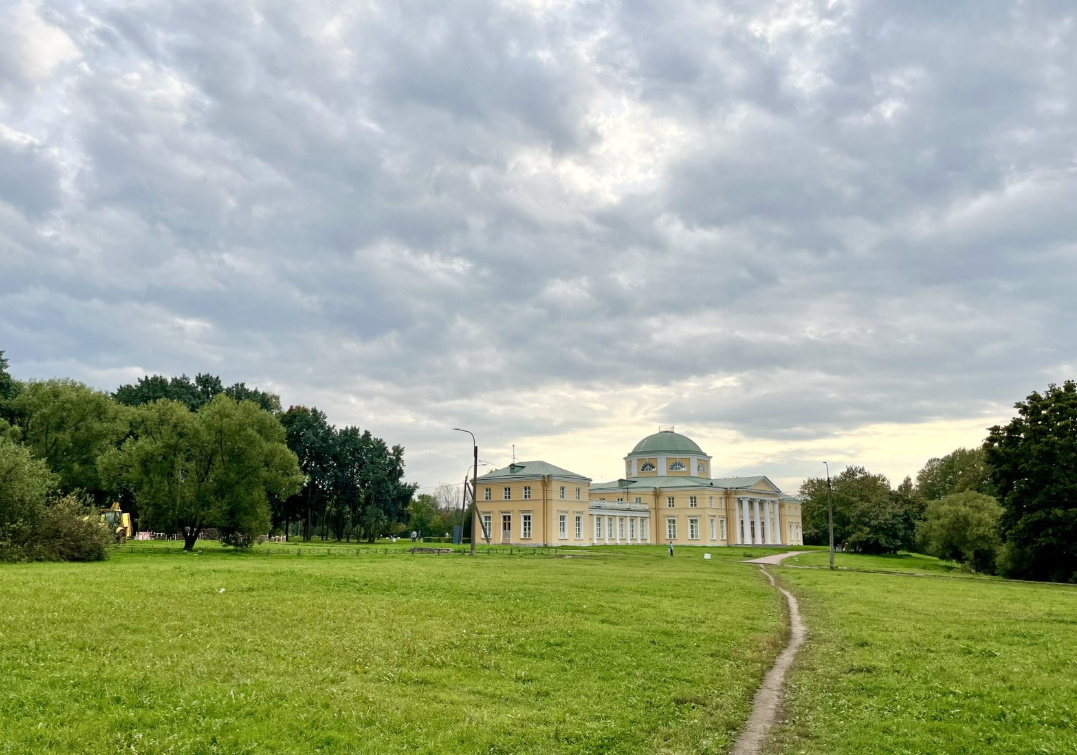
[(960, 470), (964, 527), (25, 485)]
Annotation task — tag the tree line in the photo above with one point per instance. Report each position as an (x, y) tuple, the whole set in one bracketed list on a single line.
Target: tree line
[(183, 456), (1008, 506)]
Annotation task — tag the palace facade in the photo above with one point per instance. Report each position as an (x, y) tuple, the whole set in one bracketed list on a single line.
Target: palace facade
[(666, 496)]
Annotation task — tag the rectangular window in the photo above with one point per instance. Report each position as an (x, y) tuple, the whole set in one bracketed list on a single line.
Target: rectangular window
[(790, 532), (638, 500), (693, 528), (562, 526), (579, 526), (487, 494), (525, 526), (527, 492), (691, 501), (711, 504), (577, 494), (562, 492), (506, 494), (714, 529), (669, 502), (598, 528), (487, 523), (671, 529), (620, 500), (721, 523), (631, 529), (620, 528), (642, 529)]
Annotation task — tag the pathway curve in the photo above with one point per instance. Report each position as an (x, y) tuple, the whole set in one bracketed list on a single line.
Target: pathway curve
[(769, 696)]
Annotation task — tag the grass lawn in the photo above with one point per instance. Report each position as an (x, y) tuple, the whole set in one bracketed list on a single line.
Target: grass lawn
[(903, 664), (901, 562), (616, 651)]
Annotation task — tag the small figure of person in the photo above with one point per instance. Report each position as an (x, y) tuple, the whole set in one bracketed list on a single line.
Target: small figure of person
[(420, 536), (414, 535), (671, 550)]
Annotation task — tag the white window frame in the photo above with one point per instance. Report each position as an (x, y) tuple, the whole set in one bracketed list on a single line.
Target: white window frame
[(671, 528), (562, 492), (721, 527), (487, 494), (632, 529), (711, 504), (714, 528), (598, 529), (506, 494), (562, 526), (693, 528), (691, 502), (488, 526), (525, 525), (669, 501), (527, 492), (579, 526), (577, 494), (638, 500), (620, 528), (642, 529)]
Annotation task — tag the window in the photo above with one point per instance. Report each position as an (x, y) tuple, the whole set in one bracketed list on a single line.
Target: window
[(579, 526), (691, 501), (487, 524), (677, 466), (631, 529), (487, 494), (722, 525), (577, 494), (714, 529), (642, 529), (791, 532), (620, 500), (669, 502), (525, 526), (711, 504), (562, 492), (701, 467), (646, 467), (638, 500), (562, 526), (598, 528), (527, 492), (671, 529), (693, 528), (620, 528), (506, 494)]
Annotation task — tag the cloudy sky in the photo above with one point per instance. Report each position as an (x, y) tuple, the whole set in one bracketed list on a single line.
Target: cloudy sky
[(796, 230)]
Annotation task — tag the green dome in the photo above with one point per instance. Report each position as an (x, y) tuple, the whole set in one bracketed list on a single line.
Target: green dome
[(667, 442)]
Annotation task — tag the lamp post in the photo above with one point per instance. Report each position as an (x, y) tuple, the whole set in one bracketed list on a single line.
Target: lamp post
[(474, 482), (830, 513)]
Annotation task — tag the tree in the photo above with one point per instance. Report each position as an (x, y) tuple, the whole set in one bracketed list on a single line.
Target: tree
[(851, 489), (311, 438), (422, 512), (25, 485), (8, 386), (958, 471), (213, 468), (1033, 462), (964, 527), (882, 524), (70, 425), (194, 394)]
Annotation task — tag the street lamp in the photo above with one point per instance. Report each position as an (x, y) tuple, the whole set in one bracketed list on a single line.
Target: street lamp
[(474, 482), (830, 513)]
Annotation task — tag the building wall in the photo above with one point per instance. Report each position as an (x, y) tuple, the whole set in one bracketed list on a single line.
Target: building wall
[(533, 506)]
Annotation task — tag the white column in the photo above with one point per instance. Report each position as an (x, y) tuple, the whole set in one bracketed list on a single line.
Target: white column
[(606, 532), (736, 526), (777, 522), (744, 529), (758, 522)]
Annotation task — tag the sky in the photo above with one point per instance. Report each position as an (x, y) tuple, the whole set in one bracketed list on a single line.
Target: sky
[(796, 230)]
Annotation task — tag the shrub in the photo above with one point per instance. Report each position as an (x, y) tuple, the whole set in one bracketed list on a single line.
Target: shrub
[(25, 484), (964, 527), (71, 531)]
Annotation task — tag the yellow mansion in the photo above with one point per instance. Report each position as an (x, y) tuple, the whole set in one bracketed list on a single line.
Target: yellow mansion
[(666, 496)]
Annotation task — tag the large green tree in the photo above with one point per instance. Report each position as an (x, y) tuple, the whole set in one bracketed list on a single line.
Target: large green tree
[(216, 467), (25, 485), (960, 470), (311, 438), (70, 425), (851, 489), (963, 527), (194, 394), (1033, 462)]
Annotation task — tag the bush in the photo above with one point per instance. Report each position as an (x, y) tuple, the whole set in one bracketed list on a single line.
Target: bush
[(964, 527), (71, 531), (25, 485)]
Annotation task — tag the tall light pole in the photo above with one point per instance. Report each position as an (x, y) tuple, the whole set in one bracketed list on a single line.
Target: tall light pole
[(830, 513), (474, 483)]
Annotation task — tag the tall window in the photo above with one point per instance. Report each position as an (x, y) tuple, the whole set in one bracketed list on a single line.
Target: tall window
[(562, 492), (527, 492), (721, 523), (507, 493), (714, 529), (669, 502), (631, 529), (671, 529), (691, 501), (693, 528), (598, 528), (711, 504), (620, 528), (579, 526), (525, 525), (487, 494), (562, 526), (791, 532), (642, 529), (487, 523), (577, 494)]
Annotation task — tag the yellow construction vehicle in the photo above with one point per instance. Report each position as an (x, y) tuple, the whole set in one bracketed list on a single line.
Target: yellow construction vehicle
[(119, 521)]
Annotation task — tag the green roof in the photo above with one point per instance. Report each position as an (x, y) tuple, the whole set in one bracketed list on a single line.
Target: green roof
[(529, 470), (646, 483), (667, 441)]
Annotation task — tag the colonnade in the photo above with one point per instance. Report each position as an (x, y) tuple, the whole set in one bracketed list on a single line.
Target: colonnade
[(764, 511), (621, 529)]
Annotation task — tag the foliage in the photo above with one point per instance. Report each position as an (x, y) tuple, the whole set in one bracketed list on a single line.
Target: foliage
[(25, 485), (435, 514), (615, 653), (882, 524), (9, 388), (72, 530), (1033, 462), (311, 438), (194, 394), (211, 468), (963, 527), (70, 425), (960, 470), (850, 489)]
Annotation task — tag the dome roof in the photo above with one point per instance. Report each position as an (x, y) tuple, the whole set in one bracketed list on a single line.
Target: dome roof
[(667, 441)]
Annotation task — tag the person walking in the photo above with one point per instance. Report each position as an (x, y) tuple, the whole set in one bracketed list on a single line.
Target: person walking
[(413, 536), (671, 550)]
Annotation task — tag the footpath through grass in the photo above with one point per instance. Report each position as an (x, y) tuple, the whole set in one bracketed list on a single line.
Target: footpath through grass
[(616, 651), (902, 664)]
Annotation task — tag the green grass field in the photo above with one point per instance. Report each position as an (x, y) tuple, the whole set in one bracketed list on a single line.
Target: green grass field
[(906, 664), (616, 651), (899, 562)]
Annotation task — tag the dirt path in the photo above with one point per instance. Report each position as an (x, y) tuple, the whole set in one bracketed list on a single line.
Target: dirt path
[(768, 698), (777, 558)]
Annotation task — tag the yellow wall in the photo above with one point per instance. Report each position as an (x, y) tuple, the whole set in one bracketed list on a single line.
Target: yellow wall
[(544, 505)]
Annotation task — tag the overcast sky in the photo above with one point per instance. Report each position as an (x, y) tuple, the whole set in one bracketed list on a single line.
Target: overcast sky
[(796, 230)]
